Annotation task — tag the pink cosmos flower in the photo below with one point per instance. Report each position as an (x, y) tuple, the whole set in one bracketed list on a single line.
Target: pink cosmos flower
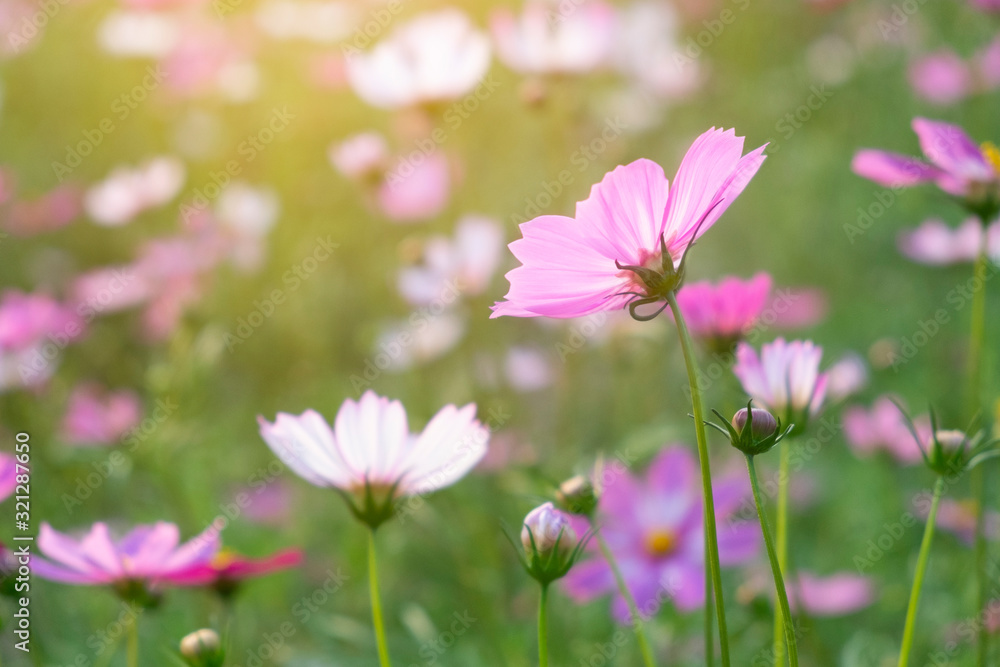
[(959, 518), (527, 369), (148, 554), (270, 502), (418, 195), (465, 264), (53, 210), (957, 165), (28, 319), (941, 78), (727, 311), (126, 192), (577, 266), (8, 475), (937, 243), (227, 570), (785, 378), (536, 43), (361, 155), (837, 594), (884, 427), (647, 46), (436, 57), (97, 417), (986, 64), (986, 5), (370, 445), (845, 377), (654, 528)]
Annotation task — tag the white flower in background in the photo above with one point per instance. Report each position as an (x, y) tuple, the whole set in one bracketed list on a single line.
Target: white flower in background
[(323, 22), (427, 335), (138, 34), (436, 57), (247, 214), (647, 49), (360, 155), (127, 192)]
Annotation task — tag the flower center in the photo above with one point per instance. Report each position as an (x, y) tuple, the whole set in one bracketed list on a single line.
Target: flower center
[(660, 542), (992, 154), (223, 559)]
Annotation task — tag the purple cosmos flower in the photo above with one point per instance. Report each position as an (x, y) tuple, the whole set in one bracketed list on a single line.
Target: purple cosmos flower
[(941, 78), (149, 555), (654, 528), (370, 447), (884, 427), (574, 266), (785, 378), (227, 570), (957, 165)]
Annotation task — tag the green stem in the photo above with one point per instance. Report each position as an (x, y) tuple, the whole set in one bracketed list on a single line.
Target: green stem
[(977, 326), (543, 628), (779, 582), (711, 537), (781, 546), (918, 578), (647, 653), (383, 649), (133, 643)]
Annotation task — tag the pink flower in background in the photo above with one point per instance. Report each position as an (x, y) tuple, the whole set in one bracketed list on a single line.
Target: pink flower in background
[(795, 308), (8, 475), (420, 194), (210, 59), (270, 503), (227, 570), (845, 377), (53, 210), (542, 40), (149, 554), (785, 378), (986, 5), (653, 527), (884, 428), (837, 594), (957, 165), (570, 266), (29, 319), (986, 64), (937, 243), (95, 416), (360, 156), (371, 445), (527, 369), (959, 518), (438, 56), (725, 311), (402, 345), (127, 192), (647, 46), (941, 78), (463, 265)]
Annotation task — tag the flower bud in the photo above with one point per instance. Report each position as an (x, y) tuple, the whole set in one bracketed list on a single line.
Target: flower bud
[(763, 423), (751, 430), (950, 439), (546, 529), (577, 495), (202, 648)]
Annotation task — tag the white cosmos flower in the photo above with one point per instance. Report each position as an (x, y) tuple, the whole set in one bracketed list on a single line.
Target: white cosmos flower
[(785, 378), (370, 446)]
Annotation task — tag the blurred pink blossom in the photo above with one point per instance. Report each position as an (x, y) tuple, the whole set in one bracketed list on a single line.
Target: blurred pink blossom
[(8, 475), (527, 369), (884, 427), (127, 192), (795, 308), (417, 340), (360, 156), (270, 501), (228, 570), (959, 518), (845, 377), (543, 40), (420, 194), (53, 210), (941, 77), (726, 311), (937, 243), (28, 319), (95, 416), (438, 56), (648, 49), (837, 594)]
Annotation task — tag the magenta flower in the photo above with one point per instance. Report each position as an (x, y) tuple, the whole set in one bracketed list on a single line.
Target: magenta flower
[(28, 319), (941, 78), (371, 453), (148, 556), (937, 243), (8, 475), (724, 313), (785, 378), (654, 528), (97, 417), (957, 166), (885, 428), (632, 224), (227, 570)]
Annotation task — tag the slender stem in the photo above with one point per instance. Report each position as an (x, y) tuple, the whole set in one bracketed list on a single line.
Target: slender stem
[(781, 546), (709, 618), (977, 326), (133, 643), (779, 582), (543, 628), (711, 537), (918, 578), (383, 649), (647, 653)]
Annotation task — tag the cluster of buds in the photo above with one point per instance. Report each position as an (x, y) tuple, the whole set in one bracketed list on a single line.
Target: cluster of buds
[(550, 544), (203, 648), (752, 430)]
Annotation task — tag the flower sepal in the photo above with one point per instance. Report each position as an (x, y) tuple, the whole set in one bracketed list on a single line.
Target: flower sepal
[(137, 592), (752, 430), (373, 504), (952, 452)]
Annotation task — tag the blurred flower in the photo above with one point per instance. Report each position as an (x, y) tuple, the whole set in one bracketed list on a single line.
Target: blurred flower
[(29, 319), (941, 78), (845, 377), (317, 21), (546, 529), (986, 5), (360, 156), (884, 427), (527, 369), (208, 59), (246, 214), (53, 210), (136, 565), (986, 64), (722, 314), (542, 40), (958, 166), (785, 378), (418, 195), (417, 340), (794, 308), (270, 501), (97, 417), (8, 475), (836, 594), (654, 529), (371, 455), (436, 57), (935, 242), (959, 518), (141, 34), (647, 47), (465, 264), (227, 570), (610, 253), (203, 648), (126, 193)]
